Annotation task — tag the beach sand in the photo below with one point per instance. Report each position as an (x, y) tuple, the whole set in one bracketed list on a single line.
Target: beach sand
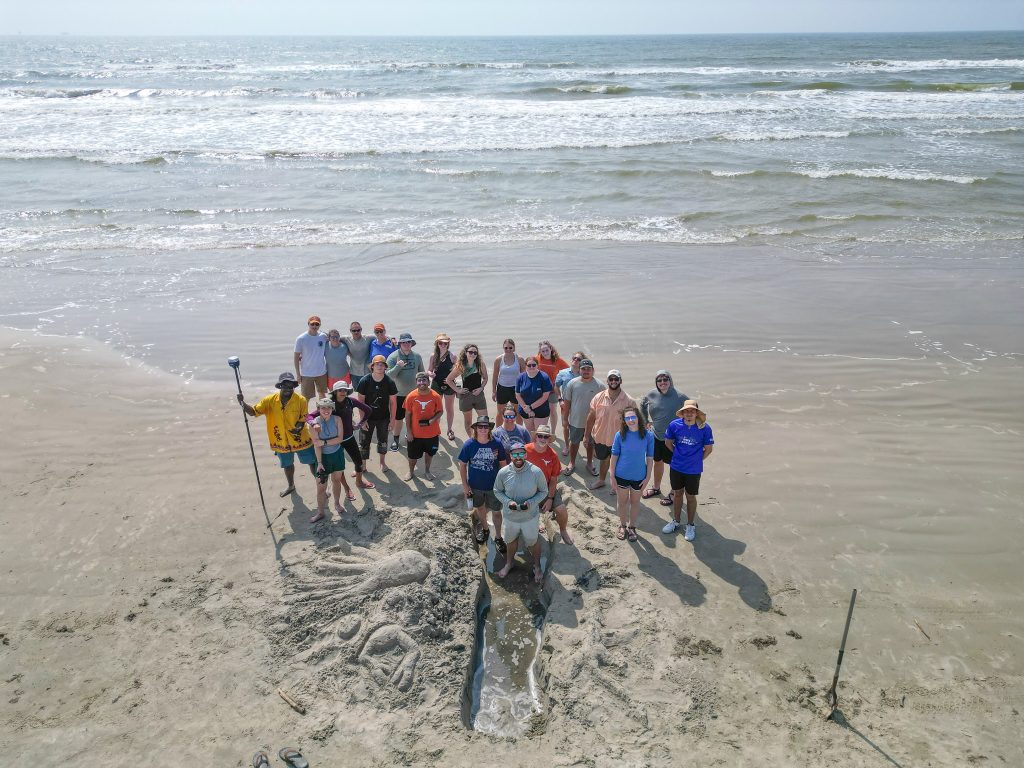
[(862, 442)]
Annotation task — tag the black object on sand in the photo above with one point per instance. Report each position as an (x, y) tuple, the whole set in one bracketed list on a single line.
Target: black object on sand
[(235, 363), (832, 696)]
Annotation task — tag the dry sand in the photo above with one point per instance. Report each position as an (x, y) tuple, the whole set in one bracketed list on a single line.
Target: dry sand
[(148, 613)]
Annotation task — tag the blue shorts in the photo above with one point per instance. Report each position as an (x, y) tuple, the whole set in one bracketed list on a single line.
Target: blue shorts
[(306, 456)]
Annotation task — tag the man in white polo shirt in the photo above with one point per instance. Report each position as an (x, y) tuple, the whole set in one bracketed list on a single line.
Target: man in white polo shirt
[(310, 363)]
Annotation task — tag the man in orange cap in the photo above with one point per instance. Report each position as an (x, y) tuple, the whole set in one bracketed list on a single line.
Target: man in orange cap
[(310, 362)]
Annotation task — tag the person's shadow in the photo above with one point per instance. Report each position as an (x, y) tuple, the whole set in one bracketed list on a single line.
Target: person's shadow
[(718, 553), (688, 589)]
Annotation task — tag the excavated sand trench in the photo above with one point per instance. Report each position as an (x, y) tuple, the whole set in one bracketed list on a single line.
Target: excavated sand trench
[(502, 695)]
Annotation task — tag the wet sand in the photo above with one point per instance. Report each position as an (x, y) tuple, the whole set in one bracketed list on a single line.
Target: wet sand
[(868, 436)]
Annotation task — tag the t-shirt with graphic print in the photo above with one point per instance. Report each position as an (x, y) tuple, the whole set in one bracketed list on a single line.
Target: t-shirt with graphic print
[(481, 460)]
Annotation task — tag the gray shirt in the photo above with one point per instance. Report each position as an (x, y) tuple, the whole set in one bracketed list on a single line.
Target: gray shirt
[(337, 360), (404, 377), (578, 394), (358, 354), (526, 484)]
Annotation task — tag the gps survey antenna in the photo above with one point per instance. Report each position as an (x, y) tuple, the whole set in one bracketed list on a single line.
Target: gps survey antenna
[(235, 363)]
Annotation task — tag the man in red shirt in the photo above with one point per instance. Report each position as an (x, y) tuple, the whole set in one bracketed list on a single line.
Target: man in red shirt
[(423, 411), (540, 453)]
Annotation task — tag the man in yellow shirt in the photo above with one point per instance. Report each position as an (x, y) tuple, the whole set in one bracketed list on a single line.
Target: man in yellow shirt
[(286, 427)]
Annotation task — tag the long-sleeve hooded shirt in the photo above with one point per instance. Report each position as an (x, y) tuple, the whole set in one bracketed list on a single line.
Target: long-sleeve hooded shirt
[(659, 409), (524, 484)]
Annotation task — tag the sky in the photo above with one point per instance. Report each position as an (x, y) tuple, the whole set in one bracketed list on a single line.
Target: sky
[(512, 17)]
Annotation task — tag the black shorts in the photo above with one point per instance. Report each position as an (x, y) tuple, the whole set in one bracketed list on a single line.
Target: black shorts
[(661, 451), (623, 483), (540, 412), (400, 408), (505, 394), (419, 446), (441, 388), (683, 482), (602, 452)]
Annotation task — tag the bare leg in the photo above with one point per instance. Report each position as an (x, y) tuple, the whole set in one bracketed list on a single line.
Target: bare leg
[(622, 504), (321, 502), (691, 507), (348, 491), (412, 471), (634, 506), (289, 475), (659, 471), (590, 453), (467, 419), (496, 518), (538, 573), (336, 479), (562, 516), (427, 458), (574, 449)]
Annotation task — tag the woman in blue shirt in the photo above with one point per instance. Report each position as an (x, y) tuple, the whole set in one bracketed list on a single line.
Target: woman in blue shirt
[(631, 462), (533, 389)]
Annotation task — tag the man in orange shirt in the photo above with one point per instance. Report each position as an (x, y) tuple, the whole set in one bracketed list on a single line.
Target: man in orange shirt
[(604, 420), (423, 410), (540, 454)]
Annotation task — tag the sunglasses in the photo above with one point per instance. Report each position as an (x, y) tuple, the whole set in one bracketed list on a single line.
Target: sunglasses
[(531, 365), (518, 454), (508, 349), (577, 359), (471, 352), (629, 418), (355, 330), (660, 379), (543, 437), (378, 333), (442, 343), (508, 415), (614, 378), (316, 325)]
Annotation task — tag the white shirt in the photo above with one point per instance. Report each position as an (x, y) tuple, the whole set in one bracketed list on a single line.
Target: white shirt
[(311, 354)]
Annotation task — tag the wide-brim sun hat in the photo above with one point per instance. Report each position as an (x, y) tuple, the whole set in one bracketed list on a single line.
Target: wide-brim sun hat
[(701, 416), (543, 429), (484, 421), (342, 384), (406, 337)]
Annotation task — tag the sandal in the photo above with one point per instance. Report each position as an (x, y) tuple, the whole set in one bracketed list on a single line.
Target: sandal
[(631, 532), (650, 492), (293, 758), (621, 534), (667, 501), (260, 760), (350, 494)]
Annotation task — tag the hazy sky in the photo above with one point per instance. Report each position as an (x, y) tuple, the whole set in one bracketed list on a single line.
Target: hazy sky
[(512, 17)]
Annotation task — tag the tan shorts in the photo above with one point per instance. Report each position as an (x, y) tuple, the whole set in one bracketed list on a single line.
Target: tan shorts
[(529, 531), (311, 385)]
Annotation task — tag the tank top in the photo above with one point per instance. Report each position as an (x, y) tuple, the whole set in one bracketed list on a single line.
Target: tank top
[(328, 431), (443, 368), (507, 374), (471, 378)]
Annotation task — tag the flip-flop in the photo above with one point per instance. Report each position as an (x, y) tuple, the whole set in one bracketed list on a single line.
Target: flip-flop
[(293, 757), (568, 471), (367, 485), (592, 470), (650, 493), (260, 760), (621, 533), (350, 495)]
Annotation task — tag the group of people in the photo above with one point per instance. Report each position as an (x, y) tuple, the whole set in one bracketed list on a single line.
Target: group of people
[(373, 387)]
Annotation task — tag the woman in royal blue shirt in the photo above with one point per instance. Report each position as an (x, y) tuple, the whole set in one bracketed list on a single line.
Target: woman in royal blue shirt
[(532, 391), (631, 462)]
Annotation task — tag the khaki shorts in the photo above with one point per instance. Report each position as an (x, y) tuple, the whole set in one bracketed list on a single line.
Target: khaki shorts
[(470, 402), (311, 385), (529, 531)]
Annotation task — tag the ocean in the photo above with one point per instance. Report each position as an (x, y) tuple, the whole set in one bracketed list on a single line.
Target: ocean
[(182, 173)]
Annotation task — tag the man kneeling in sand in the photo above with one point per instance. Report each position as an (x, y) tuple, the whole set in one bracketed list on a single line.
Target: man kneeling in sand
[(521, 487)]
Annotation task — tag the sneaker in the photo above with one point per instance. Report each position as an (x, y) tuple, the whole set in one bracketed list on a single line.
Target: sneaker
[(670, 527), (394, 444), (691, 532)]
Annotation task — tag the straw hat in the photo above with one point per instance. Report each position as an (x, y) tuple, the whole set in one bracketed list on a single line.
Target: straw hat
[(701, 416)]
